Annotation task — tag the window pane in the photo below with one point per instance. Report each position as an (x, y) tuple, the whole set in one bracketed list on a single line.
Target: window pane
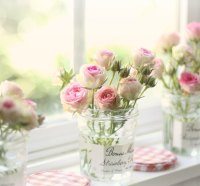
[(130, 23), (124, 25), (36, 38)]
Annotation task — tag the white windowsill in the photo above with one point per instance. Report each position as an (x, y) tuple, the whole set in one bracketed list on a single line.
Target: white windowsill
[(186, 168), (65, 156)]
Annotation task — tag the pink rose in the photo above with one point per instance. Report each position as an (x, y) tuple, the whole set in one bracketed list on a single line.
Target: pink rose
[(183, 52), (130, 88), (8, 105), (143, 57), (189, 82), (29, 118), (92, 76), (107, 98), (105, 58), (193, 31), (8, 88), (158, 68), (167, 41), (74, 97), (30, 104), (9, 109)]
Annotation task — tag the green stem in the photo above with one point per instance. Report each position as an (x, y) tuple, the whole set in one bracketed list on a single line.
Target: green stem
[(93, 90), (164, 83), (118, 83), (176, 85), (140, 95), (127, 103), (113, 75)]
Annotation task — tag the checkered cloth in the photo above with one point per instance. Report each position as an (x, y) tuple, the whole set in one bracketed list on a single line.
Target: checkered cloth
[(153, 159), (57, 178)]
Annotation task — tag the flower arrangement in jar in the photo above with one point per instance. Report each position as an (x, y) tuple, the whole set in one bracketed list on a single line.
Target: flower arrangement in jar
[(105, 95), (17, 116), (181, 81)]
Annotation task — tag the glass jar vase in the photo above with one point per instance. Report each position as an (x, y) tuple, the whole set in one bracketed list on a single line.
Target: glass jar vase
[(182, 123), (12, 157), (107, 144)]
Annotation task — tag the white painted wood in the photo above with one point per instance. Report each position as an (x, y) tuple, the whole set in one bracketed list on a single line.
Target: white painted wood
[(191, 182), (79, 34), (188, 12), (193, 10), (183, 15)]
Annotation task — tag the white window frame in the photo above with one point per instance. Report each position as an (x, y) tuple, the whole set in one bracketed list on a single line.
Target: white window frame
[(79, 34), (55, 144)]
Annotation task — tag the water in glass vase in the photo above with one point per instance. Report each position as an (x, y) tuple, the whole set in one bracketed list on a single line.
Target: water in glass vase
[(106, 146), (12, 159), (182, 123)]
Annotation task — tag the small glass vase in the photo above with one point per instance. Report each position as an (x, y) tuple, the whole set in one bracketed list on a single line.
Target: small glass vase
[(107, 144), (13, 154), (182, 123)]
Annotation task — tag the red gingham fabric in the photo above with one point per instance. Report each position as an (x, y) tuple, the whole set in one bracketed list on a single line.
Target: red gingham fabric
[(56, 178), (152, 159)]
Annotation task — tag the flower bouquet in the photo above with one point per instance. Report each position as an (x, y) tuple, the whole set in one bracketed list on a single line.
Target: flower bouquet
[(181, 98), (17, 116), (105, 95)]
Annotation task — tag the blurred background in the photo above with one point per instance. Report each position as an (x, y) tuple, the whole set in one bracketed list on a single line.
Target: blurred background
[(37, 37)]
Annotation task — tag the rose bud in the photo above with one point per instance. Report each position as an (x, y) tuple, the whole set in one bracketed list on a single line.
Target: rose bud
[(143, 57), (92, 76), (8, 88), (193, 31), (158, 68), (74, 97), (130, 88), (151, 82), (29, 118), (104, 58), (145, 70), (124, 72), (144, 79), (183, 52), (107, 98), (167, 41), (189, 82), (116, 66)]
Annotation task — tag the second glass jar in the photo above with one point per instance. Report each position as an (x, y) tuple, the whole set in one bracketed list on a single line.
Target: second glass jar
[(182, 123)]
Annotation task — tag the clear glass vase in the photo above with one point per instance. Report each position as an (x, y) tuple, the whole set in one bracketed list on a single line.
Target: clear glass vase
[(182, 123), (107, 144), (13, 154)]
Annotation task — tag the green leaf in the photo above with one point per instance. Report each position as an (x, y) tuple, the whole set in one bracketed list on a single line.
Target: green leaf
[(66, 77)]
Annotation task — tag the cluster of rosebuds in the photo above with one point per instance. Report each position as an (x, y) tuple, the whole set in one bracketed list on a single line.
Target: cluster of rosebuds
[(17, 112), (181, 58), (108, 84)]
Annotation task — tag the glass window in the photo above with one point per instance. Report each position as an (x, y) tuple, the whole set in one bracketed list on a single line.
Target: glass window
[(125, 25), (128, 23), (36, 37)]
